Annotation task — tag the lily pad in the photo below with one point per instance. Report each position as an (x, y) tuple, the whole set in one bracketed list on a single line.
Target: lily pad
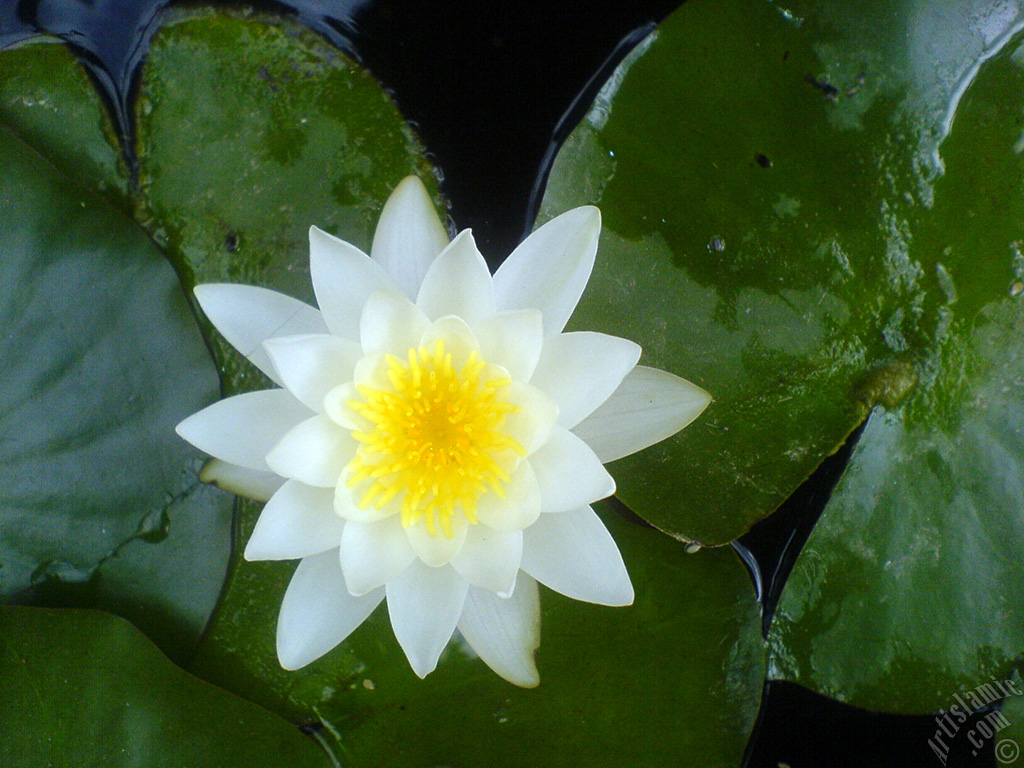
[(774, 230), (86, 688), (911, 587), (251, 130), (675, 678), (48, 100), (100, 502)]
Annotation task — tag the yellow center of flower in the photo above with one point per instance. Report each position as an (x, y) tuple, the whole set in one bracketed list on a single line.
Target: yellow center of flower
[(436, 440)]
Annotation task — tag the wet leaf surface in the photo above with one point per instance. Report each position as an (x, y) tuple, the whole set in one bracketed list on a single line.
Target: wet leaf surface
[(910, 587), (100, 502), (87, 688), (782, 228), (250, 131)]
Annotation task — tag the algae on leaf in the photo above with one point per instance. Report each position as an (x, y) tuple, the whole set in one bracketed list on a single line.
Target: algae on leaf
[(250, 131), (783, 225), (49, 102)]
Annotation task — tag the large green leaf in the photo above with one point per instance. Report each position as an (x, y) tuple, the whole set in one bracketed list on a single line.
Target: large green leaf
[(251, 132), (911, 587), (83, 688), (100, 504), (774, 229), (674, 679), (48, 100)]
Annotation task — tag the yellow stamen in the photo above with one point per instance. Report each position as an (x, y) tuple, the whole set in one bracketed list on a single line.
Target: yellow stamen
[(436, 441)]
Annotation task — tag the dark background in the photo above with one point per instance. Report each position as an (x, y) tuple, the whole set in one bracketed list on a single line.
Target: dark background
[(492, 88)]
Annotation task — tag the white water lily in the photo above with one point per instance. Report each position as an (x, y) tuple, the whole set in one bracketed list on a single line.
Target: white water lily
[(437, 440)]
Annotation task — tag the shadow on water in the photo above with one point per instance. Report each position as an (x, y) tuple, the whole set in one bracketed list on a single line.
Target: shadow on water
[(769, 549), (798, 728)]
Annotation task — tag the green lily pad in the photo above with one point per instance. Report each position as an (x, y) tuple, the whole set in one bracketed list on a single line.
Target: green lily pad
[(674, 679), (48, 100), (774, 231), (86, 688), (100, 503), (911, 587), (251, 130)]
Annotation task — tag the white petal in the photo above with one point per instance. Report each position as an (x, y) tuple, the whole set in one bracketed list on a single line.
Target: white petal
[(537, 416), (373, 553), (520, 507), (243, 481), (490, 559), (512, 340), (391, 324), (579, 371), (346, 502), (458, 283), (424, 604), (372, 372), (437, 549), (458, 339), (337, 409), (317, 612), (409, 235), (550, 269), (573, 553), (343, 278), (311, 365), (314, 452), (648, 406), (298, 521), (505, 633), (569, 473), (247, 316), (242, 429)]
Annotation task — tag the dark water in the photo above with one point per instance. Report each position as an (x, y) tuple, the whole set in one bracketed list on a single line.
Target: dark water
[(492, 87)]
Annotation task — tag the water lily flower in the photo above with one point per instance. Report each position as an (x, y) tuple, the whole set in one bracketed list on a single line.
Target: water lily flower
[(437, 440)]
